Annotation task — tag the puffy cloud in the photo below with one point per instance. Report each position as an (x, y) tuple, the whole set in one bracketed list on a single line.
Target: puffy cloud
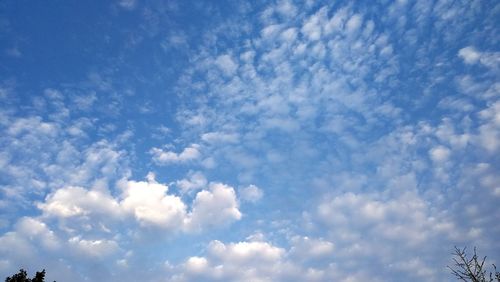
[(469, 55), (33, 126), (197, 265), (305, 248), (162, 157), (286, 7), (289, 35), (489, 130), (95, 248), (363, 213), (34, 228), (214, 207), (354, 23), (242, 261), (195, 181), (312, 27), (440, 154), (226, 64), (49, 157), (251, 193), (257, 260), (77, 201), (150, 204), (245, 253), (29, 238), (370, 232)]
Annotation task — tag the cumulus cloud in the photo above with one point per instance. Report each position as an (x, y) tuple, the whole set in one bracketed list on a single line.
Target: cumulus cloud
[(242, 261), (77, 201), (149, 203), (163, 157), (195, 181), (95, 248), (259, 260), (37, 230), (364, 228), (305, 248), (214, 207), (251, 193), (469, 55)]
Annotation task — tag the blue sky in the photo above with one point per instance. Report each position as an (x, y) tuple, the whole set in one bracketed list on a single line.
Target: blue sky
[(235, 141)]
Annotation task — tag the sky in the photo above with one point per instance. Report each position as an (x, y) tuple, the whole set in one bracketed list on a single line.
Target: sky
[(248, 140)]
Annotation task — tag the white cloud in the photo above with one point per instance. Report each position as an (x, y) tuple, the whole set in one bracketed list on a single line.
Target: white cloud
[(251, 193), (151, 205), (162, 157), (489, 130), (29, 237), (469, 55), (95, 248), (312, 27), (246, 253), (440, 154), (286, 8), (34, 228), (148, 203), (354, 23), (220, 137), (197, 265), (226, 64), (255, 260), (242, 261), (77, 201), (404, 219), (269, 32), (85, 102), (195, 182), (33, 125), (214, 207), (289, 35), (336, 22), (127, 4), (304, 248)]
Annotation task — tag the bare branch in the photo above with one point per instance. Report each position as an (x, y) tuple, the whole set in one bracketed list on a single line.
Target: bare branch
[(472, 269)]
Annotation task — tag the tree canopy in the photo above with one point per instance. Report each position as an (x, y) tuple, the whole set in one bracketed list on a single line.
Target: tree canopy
[(22, 276)]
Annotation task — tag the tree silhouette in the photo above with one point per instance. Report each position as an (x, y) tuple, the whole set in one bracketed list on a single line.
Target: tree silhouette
[(22, 276), (472, 269)]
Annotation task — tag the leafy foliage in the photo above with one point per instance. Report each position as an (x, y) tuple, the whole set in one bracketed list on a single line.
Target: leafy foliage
[(22, 276), (472, 269)]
